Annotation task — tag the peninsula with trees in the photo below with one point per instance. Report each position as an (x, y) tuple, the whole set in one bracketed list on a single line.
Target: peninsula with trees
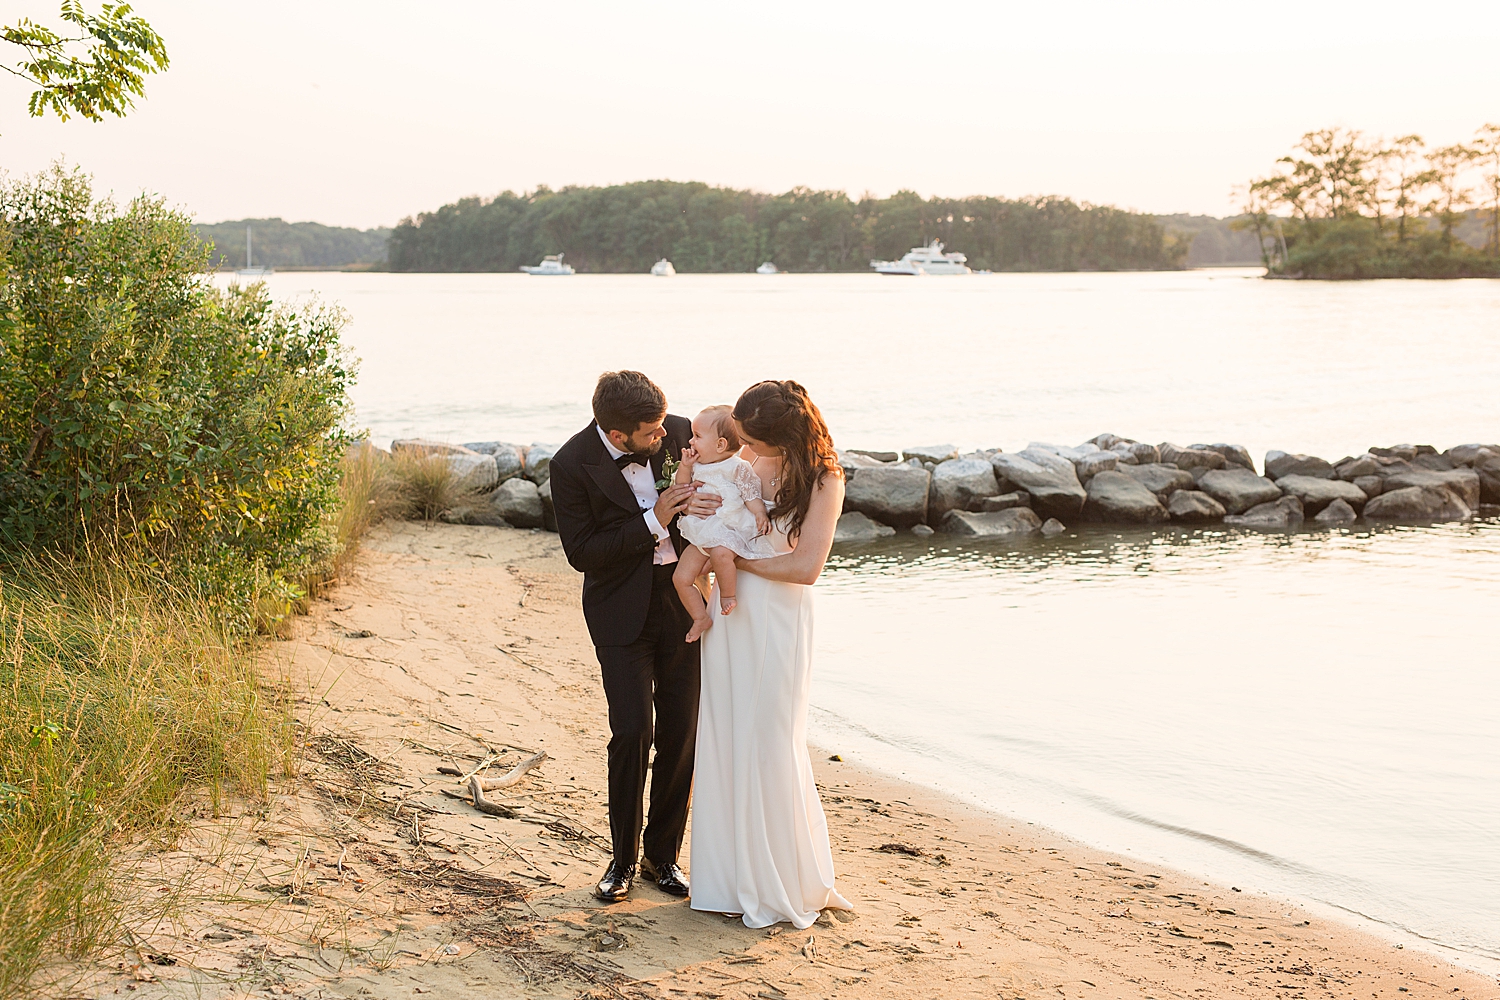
[(1343, 206)]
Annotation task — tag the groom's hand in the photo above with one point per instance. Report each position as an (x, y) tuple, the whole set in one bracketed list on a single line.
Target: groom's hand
[(704, 505), (674, 500)]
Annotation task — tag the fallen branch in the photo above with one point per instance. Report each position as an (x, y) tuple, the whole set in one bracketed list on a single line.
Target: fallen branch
[(510, 777)]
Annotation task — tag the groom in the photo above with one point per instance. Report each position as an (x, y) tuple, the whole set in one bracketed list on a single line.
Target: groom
[(620, 531)]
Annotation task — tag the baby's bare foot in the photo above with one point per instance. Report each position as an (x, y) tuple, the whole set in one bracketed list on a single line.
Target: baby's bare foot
[(726, 603), (700, 625)]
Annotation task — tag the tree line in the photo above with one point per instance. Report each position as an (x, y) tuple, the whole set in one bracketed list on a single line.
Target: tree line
[(700, 228), (1344, 205), (276, 243)]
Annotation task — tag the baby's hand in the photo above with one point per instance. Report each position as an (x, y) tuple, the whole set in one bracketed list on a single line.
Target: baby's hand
[(762, 524), (689, 457)]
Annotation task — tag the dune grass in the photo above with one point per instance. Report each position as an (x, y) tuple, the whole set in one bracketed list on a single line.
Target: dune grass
[(121, 696), (126, 694)]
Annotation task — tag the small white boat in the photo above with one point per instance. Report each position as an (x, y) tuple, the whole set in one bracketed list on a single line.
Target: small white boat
[(768, 268), (551, 264), (250, 270), (663, 268), (924, 260)]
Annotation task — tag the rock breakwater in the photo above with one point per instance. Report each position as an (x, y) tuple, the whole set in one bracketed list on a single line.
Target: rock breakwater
[(1043, 488)]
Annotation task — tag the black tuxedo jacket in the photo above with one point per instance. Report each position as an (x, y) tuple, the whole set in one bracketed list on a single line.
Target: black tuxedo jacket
[(604, 532)]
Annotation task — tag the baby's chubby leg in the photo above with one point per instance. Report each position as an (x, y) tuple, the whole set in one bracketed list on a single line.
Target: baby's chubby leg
[(721, 558), (689, 567)]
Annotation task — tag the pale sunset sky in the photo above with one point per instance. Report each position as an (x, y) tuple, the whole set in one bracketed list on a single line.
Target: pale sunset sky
[(357, 114)]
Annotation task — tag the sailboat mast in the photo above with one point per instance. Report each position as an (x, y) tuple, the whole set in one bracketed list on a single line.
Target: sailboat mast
[(247, 247)]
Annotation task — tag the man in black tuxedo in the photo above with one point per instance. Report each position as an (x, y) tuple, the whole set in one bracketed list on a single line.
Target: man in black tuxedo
[(620, 532)]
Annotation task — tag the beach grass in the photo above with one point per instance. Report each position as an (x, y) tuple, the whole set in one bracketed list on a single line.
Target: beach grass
[(123, 697)]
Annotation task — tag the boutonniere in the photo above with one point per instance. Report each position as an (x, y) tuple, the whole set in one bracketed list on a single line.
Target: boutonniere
[(668, 472)]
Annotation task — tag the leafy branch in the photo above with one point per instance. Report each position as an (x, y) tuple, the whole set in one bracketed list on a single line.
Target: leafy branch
[(97, 70)]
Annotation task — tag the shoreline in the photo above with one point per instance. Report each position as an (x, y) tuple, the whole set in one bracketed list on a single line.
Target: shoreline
[(1392, 933), (453, 645)]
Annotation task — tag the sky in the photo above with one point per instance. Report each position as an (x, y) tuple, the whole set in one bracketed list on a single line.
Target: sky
[(360, 114)]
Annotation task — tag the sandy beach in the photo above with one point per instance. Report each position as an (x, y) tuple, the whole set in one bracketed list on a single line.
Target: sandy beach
[(364, 875)]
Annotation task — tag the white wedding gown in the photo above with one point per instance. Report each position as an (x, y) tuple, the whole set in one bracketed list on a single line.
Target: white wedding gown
[(760, 841)]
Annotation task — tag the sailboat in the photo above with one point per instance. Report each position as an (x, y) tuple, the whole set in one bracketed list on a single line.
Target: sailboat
[(250, 270)]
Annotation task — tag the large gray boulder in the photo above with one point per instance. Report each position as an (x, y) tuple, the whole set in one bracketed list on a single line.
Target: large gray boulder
[(879, 456), (1316, 493), (1052, 526), (1463, 482), (1071, 454), (959, 484), (1100, 461), (1163, 480), (856, 527), (1283, 513), (1115, 498), (1005, 501), (471, 472), (1418, 503), (1370, 486), (1049, 478), (1435, 463), (1279, 463), (539, 462), (507, 457), (549, 516), (1235, 455), (892, 494), (1403, 451), (852, 459), (1192, 505), (518, 503), (1190, 458), (1487, 467), (934, 453), (1352, 469), (1238, 489), (423, 446), (1018, 521), (1336, 513), (1468, 454), (1145, 454)]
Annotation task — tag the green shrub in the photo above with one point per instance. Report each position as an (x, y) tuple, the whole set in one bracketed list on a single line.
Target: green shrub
[(140, 406), (169, 479)]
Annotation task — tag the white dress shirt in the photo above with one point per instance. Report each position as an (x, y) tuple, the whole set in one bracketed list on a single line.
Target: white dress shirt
[(643, 484)]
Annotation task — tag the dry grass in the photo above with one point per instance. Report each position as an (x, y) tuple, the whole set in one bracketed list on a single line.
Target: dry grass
[(124, 695), (120, 698), (405, 485)]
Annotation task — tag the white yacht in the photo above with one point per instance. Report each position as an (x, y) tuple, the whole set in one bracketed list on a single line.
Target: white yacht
[(924, 260), (768, 268), (250, 270), (663, 268), (551, 264)]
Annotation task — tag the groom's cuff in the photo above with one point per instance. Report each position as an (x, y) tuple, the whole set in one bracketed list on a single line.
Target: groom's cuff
[(654, 526)]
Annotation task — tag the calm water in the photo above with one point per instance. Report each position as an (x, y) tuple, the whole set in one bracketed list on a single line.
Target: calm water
[(1310, 714)]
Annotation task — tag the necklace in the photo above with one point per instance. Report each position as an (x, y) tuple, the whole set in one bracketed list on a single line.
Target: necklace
[(774, 479)]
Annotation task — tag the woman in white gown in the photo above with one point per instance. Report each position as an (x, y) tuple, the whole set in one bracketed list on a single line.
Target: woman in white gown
[(760, 840)]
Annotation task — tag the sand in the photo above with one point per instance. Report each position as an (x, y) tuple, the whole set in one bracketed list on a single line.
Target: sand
[(458, 647)]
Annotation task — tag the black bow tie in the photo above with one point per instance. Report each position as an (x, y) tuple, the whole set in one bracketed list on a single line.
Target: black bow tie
[(630, 458)]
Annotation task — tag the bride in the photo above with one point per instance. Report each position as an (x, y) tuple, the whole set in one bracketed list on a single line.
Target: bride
[(760, 841)]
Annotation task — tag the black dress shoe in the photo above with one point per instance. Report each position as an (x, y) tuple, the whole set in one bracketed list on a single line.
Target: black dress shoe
[(669, 878), (616, 883)]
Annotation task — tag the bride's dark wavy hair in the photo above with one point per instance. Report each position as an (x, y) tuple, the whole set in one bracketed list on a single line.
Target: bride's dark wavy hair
[(781, 414)]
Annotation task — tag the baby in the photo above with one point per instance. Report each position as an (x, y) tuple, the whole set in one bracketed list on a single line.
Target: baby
[(741, 526)]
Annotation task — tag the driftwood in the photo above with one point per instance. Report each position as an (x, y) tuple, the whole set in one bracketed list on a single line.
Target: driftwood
[(478, 786)]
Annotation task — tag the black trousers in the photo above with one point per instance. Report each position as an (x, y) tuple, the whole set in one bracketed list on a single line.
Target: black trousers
[(659, 671)]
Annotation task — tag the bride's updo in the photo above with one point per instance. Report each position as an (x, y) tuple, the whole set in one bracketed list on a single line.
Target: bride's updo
[(781, 414)]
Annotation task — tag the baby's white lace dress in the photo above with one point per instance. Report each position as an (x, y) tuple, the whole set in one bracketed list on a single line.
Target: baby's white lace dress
[(733, 524)]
